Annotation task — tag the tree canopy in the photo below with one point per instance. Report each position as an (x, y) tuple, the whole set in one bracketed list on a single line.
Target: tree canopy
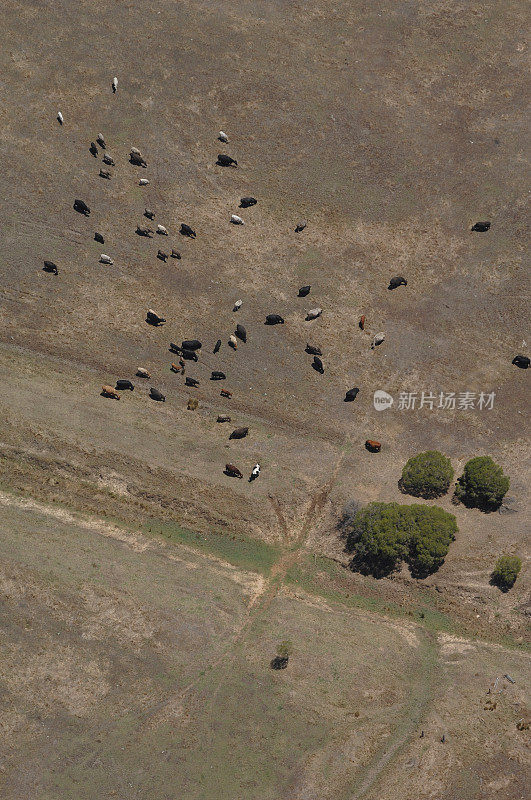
[(482, 483), (427, 474), (382, 535)]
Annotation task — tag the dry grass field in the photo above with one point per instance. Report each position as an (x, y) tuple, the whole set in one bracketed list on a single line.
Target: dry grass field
[(143, 592)]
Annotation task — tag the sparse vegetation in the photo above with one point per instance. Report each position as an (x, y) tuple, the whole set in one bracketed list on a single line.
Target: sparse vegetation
[(482, 483), (506, 572), (427, 474), (382, 535)]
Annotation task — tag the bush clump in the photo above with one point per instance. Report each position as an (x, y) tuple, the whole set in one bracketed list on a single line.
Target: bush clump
[(482, 483), (431, 531), (427, 474), (506, 572), (382, 535), (378, 536)]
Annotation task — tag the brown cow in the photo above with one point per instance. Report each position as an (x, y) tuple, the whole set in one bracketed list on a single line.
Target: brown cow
[(192, 404), (362, 322), (372, 446), (225, 393), (108, 391), (232, 471), (176, 368)]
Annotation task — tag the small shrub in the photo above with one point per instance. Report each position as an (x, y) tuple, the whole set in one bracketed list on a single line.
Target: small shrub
[(427, 474), (482, 483), (506, 572), (285, 648)]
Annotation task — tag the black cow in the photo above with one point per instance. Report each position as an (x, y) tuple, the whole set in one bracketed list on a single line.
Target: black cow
[(313, 351), (217, 376), (157, 395), (189, 355), (304, 291), (480, 227), (279, 662), (93, 150), (240, 332), (144, 232), (223, 418), (104, 173), (149, 213), (186, 230), (49, 266), (162, 255), (300, 226), (217, 346), (317, 364), (226, 161), (274, 319), (191, 344), (351, 395), (191, 382), (398, 281), (99, 238), (247, 202), (154, 319), (519, 361), (137, 160), (81, 207), (124, 385), (239, 433), (232, 471)]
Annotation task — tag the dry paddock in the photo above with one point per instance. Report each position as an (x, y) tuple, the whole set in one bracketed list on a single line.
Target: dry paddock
[(391, 129)]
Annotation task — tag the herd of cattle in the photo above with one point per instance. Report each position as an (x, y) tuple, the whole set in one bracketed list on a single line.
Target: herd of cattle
[(189, 349)]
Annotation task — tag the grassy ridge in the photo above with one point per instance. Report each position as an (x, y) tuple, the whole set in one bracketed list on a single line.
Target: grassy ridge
[(246, 553)]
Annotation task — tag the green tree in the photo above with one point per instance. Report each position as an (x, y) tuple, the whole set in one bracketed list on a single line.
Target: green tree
[(506, 572), (431, 531), (427, 474), (377, 535), (482, 483), (381, 535)]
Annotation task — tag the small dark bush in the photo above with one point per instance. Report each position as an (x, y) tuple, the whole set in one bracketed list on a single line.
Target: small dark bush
[(427, 475), (279, 662), (482, 483), (506, 572)]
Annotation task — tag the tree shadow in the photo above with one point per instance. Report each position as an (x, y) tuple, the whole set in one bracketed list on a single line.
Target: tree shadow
[(467, 502), (425, 495)]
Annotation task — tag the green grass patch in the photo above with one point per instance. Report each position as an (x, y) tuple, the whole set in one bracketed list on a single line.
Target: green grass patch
[(244, 552), (307, 575)]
